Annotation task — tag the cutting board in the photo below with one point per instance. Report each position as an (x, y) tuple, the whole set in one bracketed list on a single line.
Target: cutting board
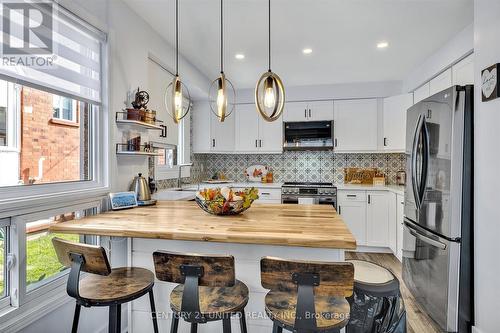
[(363, 176)]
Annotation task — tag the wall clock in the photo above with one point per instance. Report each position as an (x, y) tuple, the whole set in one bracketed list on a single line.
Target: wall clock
[(490, 82)]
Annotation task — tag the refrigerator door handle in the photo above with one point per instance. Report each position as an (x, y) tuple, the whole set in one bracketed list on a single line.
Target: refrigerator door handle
[(427, 240), (425, 161), (415, 186), (415, 233)]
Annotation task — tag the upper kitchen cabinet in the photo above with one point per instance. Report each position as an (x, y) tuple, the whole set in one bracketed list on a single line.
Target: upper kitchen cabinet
[(256, 135), (421, 93), (441, 82), (463, 72), (308, 111), (355, 125), (222, 133), (209, 134), (320, 110), (394, 121)]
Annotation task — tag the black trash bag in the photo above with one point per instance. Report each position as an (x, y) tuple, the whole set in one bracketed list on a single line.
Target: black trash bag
[(374, 314)]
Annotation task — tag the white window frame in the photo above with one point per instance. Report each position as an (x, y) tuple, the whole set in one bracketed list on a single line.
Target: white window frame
[(16, 198), (60, 106), (13, 107), (23, 307)]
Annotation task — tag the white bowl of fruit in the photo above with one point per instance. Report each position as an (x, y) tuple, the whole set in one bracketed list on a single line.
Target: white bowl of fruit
[(225, 201)]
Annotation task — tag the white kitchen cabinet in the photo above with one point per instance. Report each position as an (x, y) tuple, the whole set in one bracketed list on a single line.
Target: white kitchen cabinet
[(256, 135), (441, 82), (463, 71), (295, 111), (400, 207), (201, 128), (394, 121), (308, 111), (209, 134), (377, 218), (320, 110), (266, 195), (355, 123), (352, 208), (222, 133), (247, 128), (270, 136), (393, 223), (421, 93)]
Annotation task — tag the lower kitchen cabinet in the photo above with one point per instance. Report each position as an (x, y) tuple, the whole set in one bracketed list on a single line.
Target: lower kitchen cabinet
[(377, 219), (374, 217), (352, 208)]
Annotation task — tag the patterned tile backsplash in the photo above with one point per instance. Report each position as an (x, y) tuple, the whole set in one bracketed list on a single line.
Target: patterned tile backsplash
[(310, 166)]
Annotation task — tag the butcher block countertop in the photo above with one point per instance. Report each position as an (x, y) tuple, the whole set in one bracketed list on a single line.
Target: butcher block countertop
[(316, 226)]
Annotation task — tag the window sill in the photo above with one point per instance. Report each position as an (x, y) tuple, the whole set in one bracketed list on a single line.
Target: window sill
[(15, 319), (64, 122)]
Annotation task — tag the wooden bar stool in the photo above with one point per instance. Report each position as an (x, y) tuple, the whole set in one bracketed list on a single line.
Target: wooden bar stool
[(307, 296), (103, 286), (207, 289)]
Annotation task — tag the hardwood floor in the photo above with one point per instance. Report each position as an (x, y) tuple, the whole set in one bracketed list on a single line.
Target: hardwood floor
[(417, 320)]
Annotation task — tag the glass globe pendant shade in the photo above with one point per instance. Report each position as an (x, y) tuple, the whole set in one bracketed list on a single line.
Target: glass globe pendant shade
[(177, 100), (270, 96), (221, 97)]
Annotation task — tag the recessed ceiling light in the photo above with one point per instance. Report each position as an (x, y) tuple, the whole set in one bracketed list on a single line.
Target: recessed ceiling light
[(382, 45), (307, 51), (240, 56)]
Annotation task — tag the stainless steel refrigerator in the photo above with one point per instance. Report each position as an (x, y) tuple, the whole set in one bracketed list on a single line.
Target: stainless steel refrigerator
[(438, 236)]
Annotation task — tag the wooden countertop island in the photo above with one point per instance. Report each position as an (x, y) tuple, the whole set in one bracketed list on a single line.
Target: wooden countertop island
[(296, 232), (317, 226)]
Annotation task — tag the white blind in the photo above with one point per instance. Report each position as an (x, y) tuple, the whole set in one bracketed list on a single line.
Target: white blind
[(76, 70)]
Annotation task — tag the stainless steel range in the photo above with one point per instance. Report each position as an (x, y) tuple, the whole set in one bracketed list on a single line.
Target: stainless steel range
[(309, 193)]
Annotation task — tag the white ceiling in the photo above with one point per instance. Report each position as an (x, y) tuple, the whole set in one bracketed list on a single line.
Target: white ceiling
[(342, 34)]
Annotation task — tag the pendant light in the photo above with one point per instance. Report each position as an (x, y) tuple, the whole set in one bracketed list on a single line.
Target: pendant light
[(177, 98), (269, 91), (221, 94)]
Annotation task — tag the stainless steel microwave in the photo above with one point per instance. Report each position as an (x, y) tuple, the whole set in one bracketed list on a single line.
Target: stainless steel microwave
[(308, 135)]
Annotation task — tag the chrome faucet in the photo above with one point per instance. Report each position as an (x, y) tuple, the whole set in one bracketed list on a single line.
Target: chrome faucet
[(179, 179)]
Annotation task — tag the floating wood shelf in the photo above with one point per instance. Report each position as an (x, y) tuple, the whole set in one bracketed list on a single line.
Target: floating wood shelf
[(122, 149), (121, 118)]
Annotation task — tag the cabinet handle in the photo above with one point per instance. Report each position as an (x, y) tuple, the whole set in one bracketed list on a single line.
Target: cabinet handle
[(310, 114), (340, 210), (260, 143), (305, 113), (256, 143), (385, 142), (335, 142), (352, 195), (265, 193), (163, 131), (429, 114), (369, 199), (213, 143)]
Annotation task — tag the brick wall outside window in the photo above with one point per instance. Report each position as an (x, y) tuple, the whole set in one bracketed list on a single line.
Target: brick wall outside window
[(41, 136)]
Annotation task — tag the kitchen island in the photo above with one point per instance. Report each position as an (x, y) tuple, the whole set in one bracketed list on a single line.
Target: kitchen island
[(314, 233)]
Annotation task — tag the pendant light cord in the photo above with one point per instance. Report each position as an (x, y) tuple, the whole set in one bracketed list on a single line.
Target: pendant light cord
[(269, 36), (177, 37), (221, 37)]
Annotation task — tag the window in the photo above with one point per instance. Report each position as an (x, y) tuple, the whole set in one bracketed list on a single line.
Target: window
[(52, 124), (42, 265), (64, 108), (175, 147), (49, 152)]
